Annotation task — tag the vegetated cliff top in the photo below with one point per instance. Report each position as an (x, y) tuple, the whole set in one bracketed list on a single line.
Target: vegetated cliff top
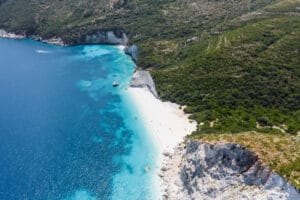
[(140, 18), (279, 151)]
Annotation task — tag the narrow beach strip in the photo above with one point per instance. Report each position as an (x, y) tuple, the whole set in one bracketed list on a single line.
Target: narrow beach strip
[(166, 123)]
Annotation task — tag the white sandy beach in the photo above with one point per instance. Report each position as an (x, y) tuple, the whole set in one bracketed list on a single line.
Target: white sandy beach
[(166, 123)]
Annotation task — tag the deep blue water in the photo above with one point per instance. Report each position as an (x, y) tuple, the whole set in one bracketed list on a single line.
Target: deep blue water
[(65, 132)]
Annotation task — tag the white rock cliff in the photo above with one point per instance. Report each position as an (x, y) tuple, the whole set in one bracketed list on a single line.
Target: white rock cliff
[(221, 172)]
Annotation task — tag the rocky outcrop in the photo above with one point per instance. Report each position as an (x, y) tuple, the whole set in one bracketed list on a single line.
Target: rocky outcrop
[(221, 171), (100, 37), (55, 41), (143, 79), (132, 51), (4, 34), (105, 37)]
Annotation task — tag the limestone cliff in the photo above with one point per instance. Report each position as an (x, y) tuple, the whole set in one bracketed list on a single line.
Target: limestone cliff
[(221, 171), (132, 51), (5, 34), (105, 37), (143, 79)]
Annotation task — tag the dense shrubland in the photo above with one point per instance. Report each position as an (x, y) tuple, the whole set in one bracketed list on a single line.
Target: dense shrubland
[(241, 80)]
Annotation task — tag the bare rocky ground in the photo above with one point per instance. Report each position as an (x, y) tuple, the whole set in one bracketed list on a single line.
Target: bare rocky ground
[(198, 170), (143, 79)]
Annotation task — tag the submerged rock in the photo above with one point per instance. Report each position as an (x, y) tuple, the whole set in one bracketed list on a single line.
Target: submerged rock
[(115, 84), (147, 169), (221, 171)]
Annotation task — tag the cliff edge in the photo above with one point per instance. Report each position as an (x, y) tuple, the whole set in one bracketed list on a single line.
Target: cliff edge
[(220, 171), (143, 79)]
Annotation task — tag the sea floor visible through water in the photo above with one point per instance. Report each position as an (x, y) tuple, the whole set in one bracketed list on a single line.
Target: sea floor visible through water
[(66, 133)]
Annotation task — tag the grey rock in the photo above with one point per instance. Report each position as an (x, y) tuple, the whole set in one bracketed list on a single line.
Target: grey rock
[(167, 154), (105, 37), (143, 79), (55, 40), (116, 37), (132, 51), (223, 171), (164, 169), (5, 34)]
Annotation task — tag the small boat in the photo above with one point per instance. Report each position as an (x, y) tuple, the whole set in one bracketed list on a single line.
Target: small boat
[(115, 84)]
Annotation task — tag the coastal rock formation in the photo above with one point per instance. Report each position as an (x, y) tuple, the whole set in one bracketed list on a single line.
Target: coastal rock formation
[(55, 41), (143, 79), (100, 37), (220, 171), (105, 37), (4, 34), (132, 51)]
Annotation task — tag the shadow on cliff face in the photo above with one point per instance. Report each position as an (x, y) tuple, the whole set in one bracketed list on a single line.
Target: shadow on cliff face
[(213, 170)]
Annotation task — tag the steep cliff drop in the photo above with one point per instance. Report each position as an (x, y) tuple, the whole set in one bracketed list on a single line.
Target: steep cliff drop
[(105, 37), (143, 79), (220, 171)]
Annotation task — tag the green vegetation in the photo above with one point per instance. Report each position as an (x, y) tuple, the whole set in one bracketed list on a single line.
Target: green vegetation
[(234, 64), (279, 151), (147, 22), (241, 80)]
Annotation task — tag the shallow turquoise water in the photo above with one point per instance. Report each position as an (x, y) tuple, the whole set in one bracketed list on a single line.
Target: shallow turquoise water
[(65, 132)]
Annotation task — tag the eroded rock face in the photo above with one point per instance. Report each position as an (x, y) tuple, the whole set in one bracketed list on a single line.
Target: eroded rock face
[(143, 79), (5, 34), (132, 51), (221, 171), (106, 37)]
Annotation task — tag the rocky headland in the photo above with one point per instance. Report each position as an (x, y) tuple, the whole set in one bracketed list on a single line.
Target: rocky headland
[(199, 170), (99, 37), (5, 34), (55, 40)]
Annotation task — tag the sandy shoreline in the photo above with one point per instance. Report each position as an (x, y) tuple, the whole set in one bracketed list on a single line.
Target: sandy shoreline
[(167, 126), (166, 123)]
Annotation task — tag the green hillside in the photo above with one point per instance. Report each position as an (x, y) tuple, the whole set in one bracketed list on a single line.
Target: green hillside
[(235, 64), (241, 80), (152, 24)]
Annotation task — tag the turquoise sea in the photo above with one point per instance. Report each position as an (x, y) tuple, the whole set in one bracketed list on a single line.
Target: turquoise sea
[(66, 133)]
